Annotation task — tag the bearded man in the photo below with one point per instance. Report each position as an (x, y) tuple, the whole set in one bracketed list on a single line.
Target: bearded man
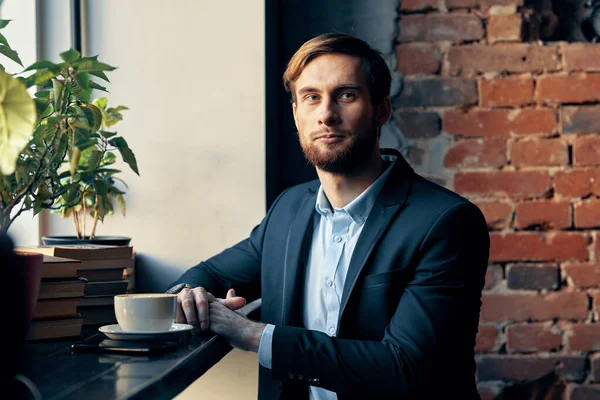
[(370, 276)]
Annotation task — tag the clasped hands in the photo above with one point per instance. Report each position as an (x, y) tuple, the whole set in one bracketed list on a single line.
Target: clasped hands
[(206, 312)]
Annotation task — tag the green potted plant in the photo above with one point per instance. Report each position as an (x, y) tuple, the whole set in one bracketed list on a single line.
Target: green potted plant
[(60, 131), (100, 190)]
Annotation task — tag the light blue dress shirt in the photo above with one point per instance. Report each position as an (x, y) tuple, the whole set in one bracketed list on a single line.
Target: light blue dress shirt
[(334, 238)]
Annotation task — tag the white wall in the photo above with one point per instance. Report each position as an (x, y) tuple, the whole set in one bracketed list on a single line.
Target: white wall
[(192, 74)]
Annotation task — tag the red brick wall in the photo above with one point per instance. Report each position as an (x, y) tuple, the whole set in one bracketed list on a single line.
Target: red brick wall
[(514, 127)]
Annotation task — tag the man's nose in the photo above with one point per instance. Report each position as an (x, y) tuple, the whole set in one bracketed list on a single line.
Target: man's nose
[(329, 113)]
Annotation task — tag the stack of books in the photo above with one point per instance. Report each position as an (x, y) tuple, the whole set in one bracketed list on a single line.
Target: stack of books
[(55, 314), (100, 272)]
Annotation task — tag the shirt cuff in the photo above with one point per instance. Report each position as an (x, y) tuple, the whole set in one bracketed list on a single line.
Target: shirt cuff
[(265, 353)]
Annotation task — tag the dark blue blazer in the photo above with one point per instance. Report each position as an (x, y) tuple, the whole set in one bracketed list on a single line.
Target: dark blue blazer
[(410, 306)]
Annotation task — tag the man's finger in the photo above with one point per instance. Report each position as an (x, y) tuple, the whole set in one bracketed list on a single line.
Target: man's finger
[(202, 299)]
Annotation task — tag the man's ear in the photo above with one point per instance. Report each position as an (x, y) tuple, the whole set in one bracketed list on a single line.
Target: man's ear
[(383, 111), (294, 112)]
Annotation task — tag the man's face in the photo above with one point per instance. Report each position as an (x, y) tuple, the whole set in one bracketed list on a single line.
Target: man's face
[(337, 124)]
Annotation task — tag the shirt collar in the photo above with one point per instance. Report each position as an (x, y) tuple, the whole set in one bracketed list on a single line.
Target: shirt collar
[(359, 208)]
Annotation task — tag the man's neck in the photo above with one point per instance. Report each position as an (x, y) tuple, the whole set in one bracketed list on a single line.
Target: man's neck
[(342, 189)]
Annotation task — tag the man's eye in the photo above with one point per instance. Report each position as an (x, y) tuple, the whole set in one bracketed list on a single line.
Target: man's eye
[(311, 97), (347, 96)]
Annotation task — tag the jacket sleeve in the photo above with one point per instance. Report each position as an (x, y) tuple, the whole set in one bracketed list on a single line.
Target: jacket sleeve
[(237, 267), (438, 307)]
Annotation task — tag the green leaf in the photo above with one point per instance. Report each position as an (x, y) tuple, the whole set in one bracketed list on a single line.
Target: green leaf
[(10, 53), (85, 144), (100, 187), (121, 203), (58, 89), (83, 80), (94, 160), (17, 121), (89, 65), (39, 77), (94, 85), (100, 75), (4, 23), (42, 64), (42, 94), (93, 115), (70, 56), (3, 40), (107, 134), (126, 153)]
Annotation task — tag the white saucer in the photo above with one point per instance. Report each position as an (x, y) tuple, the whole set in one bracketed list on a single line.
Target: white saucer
[(116, 333)]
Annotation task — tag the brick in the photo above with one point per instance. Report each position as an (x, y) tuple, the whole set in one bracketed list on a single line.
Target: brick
[(596, 304), (451, 4), (586, 150), (535, 307), (477, 153), (497, 214), (437, 92), (582, 392), (490, 3), (418, 58), (418, 5), (527, 338), (587, 214), (520, 184), (543, 214), (471, 59), (578, 88), (490, 390), (487, 338), (538, 152), (580, 182), (532, 276), (486, 123), (595, 367), (506, 92), (502, 9), (527, 367), (581, 56), (582, 275), (597, 245), (440, 27), (583, 337), (493, 276), (418, 125), (526, 246), (581, 119), (505, 28)]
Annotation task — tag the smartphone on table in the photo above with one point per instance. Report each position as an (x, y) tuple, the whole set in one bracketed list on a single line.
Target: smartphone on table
[(99, 343)]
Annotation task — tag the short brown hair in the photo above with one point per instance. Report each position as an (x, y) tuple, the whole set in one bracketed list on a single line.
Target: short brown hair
[(372, 63)]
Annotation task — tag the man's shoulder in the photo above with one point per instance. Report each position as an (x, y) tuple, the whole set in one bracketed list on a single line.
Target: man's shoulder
[(432, 193)]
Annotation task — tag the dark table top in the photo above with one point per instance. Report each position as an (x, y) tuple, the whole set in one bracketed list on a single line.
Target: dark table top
[(59, 373)]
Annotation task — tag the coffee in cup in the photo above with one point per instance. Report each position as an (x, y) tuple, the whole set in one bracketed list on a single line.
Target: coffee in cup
[(145, 312)]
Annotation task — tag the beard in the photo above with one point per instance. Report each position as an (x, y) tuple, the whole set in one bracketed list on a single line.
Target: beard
[(343, 158)]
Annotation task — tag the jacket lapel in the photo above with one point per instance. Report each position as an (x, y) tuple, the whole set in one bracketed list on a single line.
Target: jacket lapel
[(390, 200), (300, 231)]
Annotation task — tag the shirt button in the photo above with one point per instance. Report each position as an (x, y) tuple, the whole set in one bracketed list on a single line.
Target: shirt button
[(337, 238), (332, 331), (329, 282)]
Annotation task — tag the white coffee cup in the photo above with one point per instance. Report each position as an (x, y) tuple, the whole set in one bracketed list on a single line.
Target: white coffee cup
[(145, 312)]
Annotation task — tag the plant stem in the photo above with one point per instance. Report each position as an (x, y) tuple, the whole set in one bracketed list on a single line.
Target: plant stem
[(95, 219)]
